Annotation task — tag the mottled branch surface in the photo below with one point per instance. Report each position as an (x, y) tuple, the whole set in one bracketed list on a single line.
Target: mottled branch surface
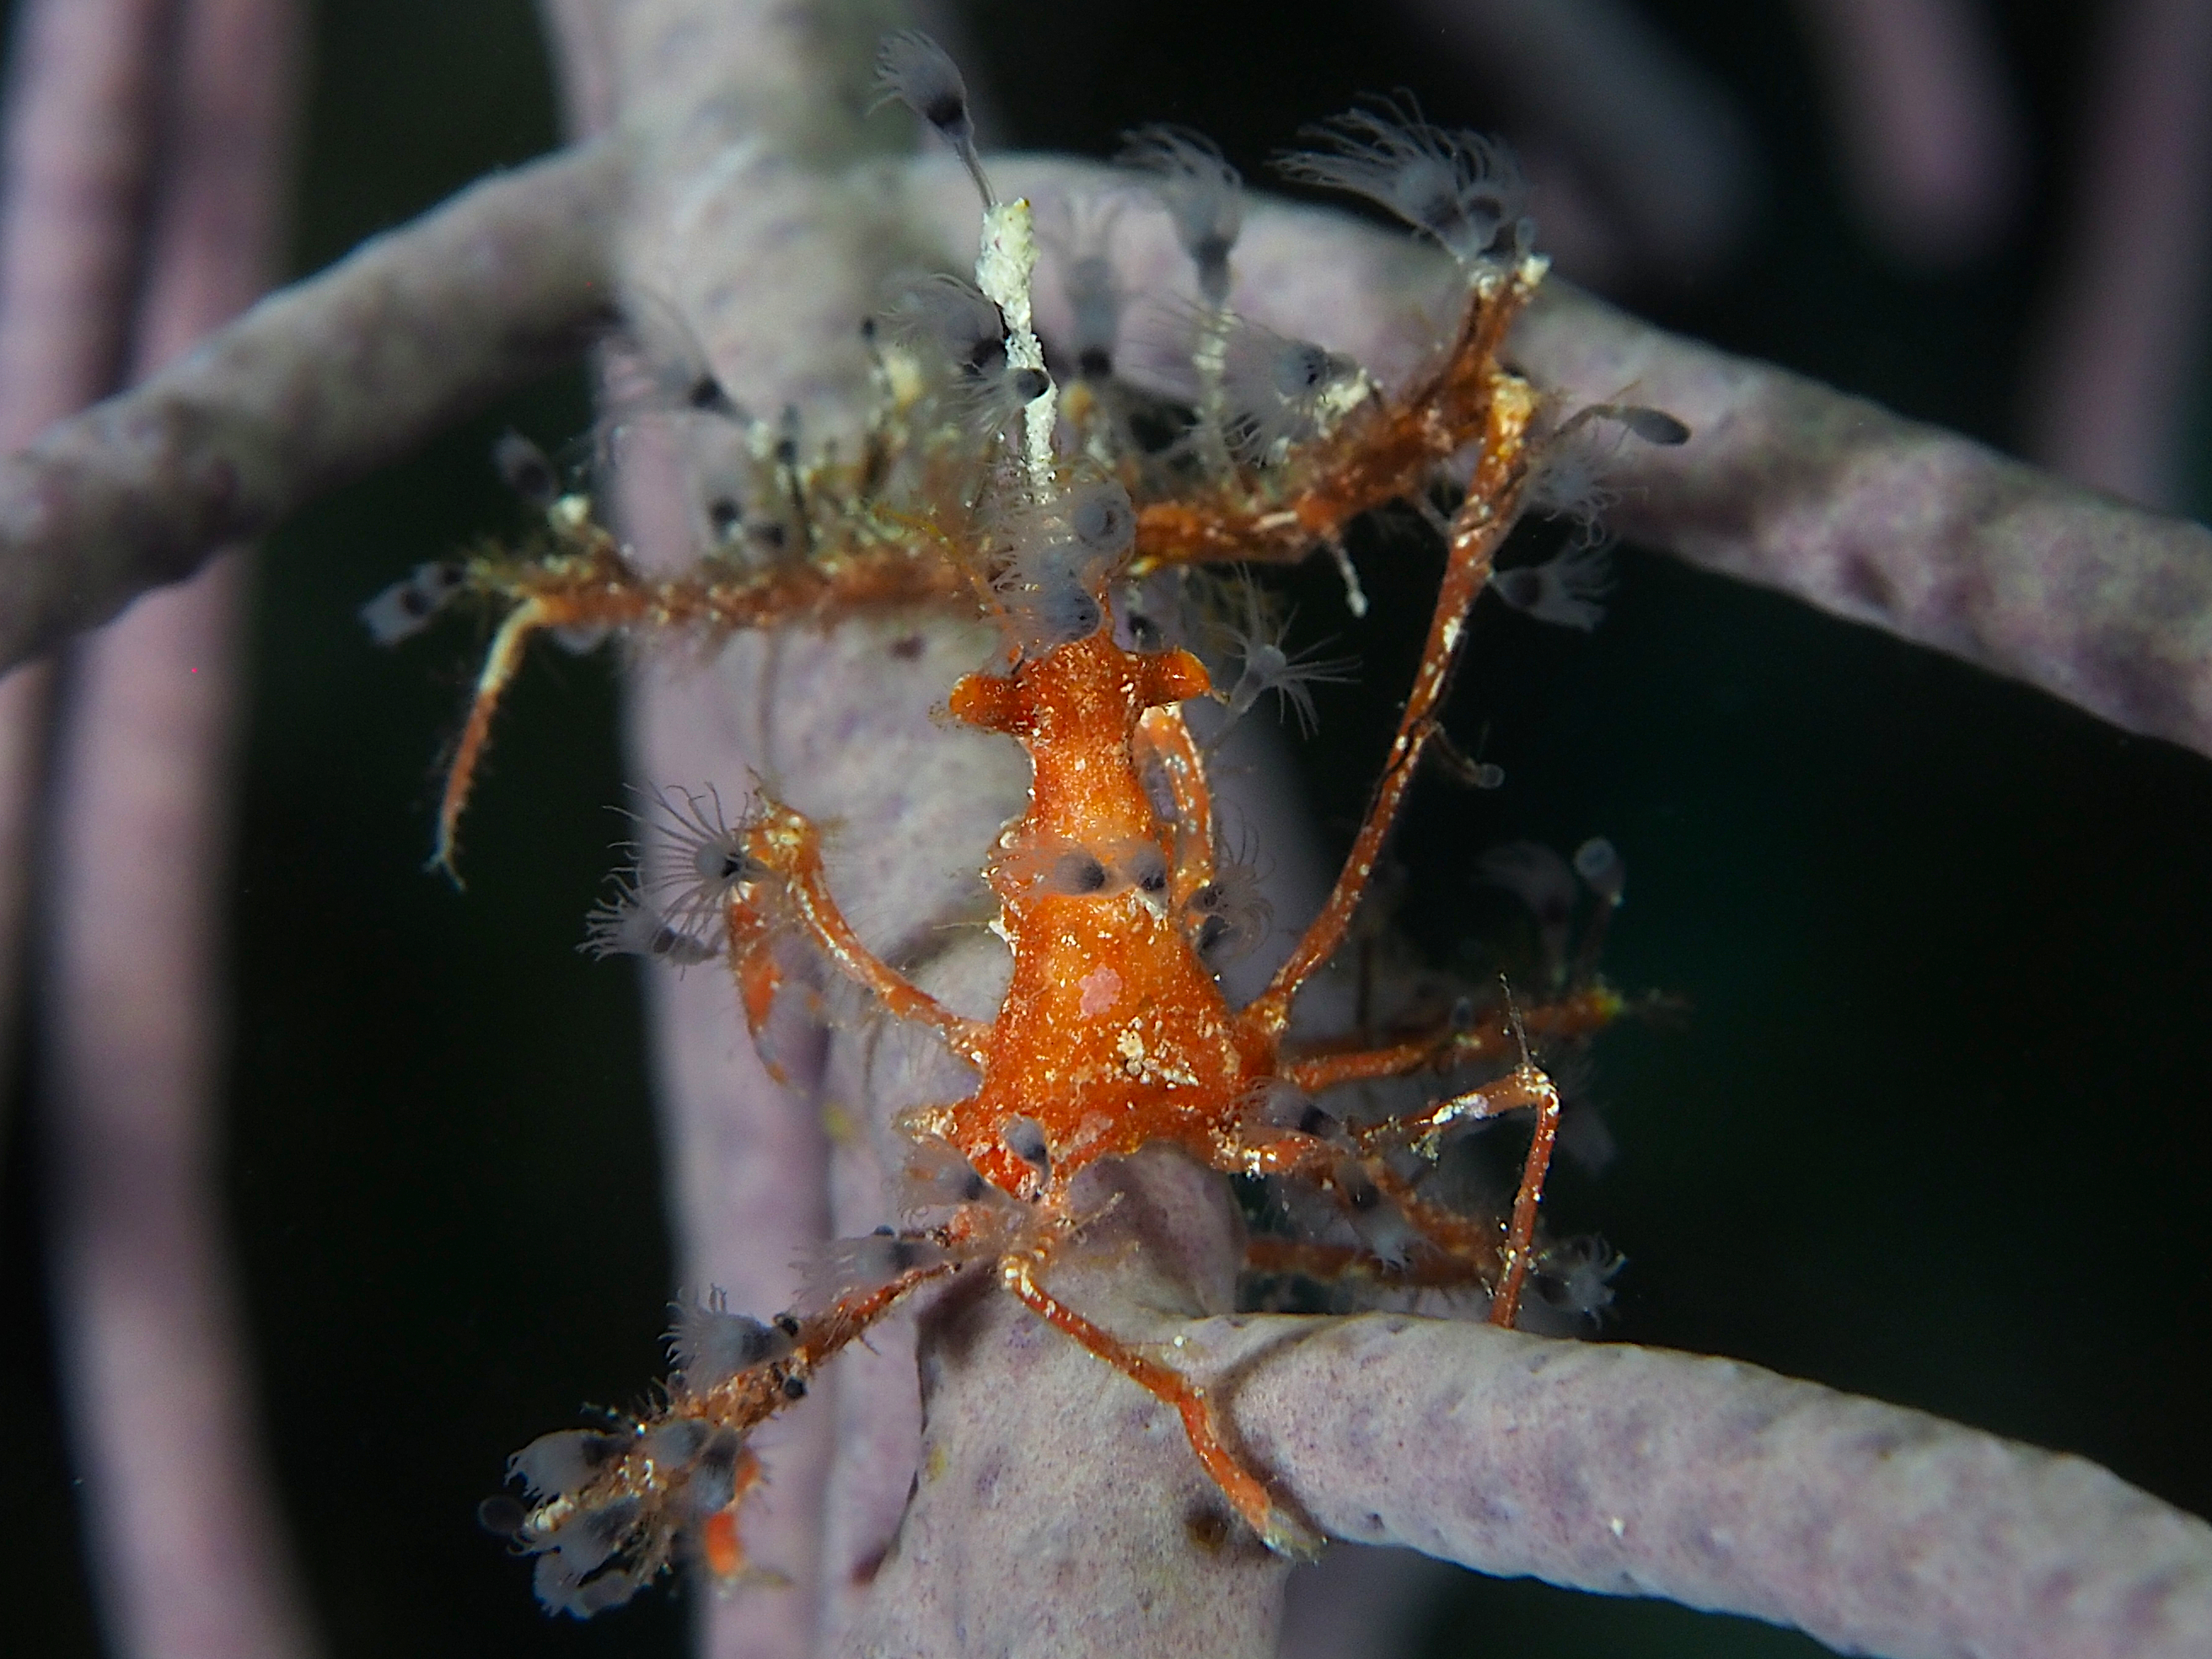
[(313, 386), (1837, 502), (1636, 1471)]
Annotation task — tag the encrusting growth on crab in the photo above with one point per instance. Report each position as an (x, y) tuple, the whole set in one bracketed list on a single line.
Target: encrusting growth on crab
[(1114, 1034)]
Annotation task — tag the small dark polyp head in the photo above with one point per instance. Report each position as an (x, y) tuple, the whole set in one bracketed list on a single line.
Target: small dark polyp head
[(1024, 1139), (525, 470), (1077, 874), (916, 72)]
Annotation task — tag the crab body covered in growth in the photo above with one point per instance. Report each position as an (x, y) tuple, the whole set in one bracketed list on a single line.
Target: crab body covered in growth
[(982, 486)]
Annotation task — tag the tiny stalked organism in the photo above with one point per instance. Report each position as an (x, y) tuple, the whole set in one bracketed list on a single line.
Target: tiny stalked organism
[(1114, 888)]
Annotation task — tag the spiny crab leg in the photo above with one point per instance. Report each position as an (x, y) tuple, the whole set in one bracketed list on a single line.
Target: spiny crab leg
[(1166, 734), (532, 616), (786, 843), (1579, 1014), (1281, 1532), (1521, 1236), (1477, 529)]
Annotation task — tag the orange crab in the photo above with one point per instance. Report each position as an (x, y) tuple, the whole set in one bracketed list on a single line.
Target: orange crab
[(1113, 1034)]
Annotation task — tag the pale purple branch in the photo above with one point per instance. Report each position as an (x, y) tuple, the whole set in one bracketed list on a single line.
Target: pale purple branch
[(2107, 398), (78, 143), (182, 1539), (1928, 130), (1591, 88), (1636, 1471), (186, 1545), (580, 46), (82, 98), (316, 385), (1837, 502)]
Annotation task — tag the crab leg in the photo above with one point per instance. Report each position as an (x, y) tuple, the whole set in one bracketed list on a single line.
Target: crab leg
[(528, 618), (1018, 1274), (1164, 732), (786, 842), (1456, 1237), (1477, 529), (1521, 1234), (1578, 1014)]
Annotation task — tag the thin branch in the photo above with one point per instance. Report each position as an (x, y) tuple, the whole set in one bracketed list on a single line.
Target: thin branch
[(1603, 104), (1636, 1471), (186, 1542), (1837, 502), (315, 385), (79, 143), (82, 103), (1930, 137), (2111, 376)]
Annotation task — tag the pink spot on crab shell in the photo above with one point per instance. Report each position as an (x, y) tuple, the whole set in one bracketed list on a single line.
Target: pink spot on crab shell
[(1101, 988)]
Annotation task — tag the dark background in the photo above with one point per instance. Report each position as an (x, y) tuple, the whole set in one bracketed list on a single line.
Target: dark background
[(1932, 1129)]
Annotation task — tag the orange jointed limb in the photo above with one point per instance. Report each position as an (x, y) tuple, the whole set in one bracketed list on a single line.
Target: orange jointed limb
[(1520, 1238), (1244, 1489), (1379, 454), (1579, 1014), (1276, 1152), (593, 587), (786, 843), (532, 615), (1481, 523), (1166, 736), (1524, 1089), (821, 1336), (1429, 1268), (1314, 1072)]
